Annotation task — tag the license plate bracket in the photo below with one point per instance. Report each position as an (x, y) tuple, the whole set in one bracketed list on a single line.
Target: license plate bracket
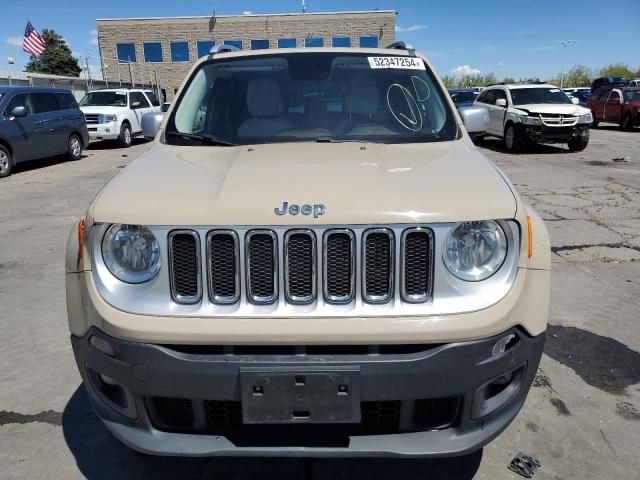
[(300, 395)]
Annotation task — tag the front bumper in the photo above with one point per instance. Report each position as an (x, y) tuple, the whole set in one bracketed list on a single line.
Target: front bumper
[(103, 131), (545, 134), (428, 400)]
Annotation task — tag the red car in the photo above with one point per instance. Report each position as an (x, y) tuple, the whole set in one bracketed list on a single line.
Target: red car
[(620, 105)]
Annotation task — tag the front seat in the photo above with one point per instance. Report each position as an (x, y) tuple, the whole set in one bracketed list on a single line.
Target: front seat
[(264, 103), (361, 106)]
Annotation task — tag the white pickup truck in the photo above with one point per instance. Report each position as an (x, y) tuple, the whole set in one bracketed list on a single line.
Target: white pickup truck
[(115, 114)]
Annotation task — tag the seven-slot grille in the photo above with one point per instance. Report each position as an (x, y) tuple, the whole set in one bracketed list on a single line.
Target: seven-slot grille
[(302, 259)]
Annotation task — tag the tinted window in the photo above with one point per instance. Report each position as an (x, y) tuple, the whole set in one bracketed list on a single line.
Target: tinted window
[(104, 99), (204, 47), (488, 96), (259, 44), (482, 98), (314, 42), (614, 95), (126, 52), (153, 99), (500, 94), (631, 95), (463, 97), (287, 43), (525, 96), (138, 97), (21, 100), (44, 102), (179, 51), (341, 41), (234, 43), (153, 52), (369, 42), (66, 101)]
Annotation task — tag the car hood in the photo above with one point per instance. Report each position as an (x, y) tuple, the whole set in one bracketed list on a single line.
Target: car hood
[(102, 110), (356, 183), (555, 108)]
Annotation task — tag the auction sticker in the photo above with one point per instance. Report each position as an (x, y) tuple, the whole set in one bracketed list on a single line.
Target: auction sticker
[(410, 63)]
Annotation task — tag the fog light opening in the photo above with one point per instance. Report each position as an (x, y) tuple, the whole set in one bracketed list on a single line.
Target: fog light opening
[(101, 345), (112, 393), (497, 393)]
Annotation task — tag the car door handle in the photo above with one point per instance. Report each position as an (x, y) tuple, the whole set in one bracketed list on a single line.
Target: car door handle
[(40, 122)]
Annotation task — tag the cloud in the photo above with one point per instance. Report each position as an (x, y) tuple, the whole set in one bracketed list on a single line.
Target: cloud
[(465, 70), (14, 41), (525, 32), (501, 64), (94, 37), (412, 28)]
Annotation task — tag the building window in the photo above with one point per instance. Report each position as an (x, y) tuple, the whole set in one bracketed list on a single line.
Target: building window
[(179, 51), (126, 52), (234, 43), (341, 41), (259, 44), (153, 52), (314, 42), (369, 42), (204, 47), (287, 43)]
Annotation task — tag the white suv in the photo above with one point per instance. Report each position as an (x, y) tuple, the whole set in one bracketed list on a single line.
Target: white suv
[(535, 113), (116, 114)]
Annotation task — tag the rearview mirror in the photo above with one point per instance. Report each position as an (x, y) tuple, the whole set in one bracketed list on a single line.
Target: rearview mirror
[(475, 119), (501, 102), (20, 111), (151, 124)]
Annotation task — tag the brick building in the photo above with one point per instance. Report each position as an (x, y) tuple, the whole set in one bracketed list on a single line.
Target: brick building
[(134, 49)]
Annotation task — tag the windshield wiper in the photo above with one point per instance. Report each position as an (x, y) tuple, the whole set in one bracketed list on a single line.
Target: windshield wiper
[(203, 138)]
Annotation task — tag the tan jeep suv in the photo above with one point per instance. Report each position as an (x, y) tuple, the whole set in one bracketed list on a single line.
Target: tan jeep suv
[(311, 259)]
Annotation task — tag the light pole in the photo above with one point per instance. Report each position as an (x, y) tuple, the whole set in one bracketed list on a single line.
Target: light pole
[(564, 48)]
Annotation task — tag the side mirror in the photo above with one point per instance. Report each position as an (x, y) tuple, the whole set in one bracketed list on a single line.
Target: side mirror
[(20, 111), (575, 100), (135, 105), (151, 124), (501, 102), (165, 107), (475, 119)]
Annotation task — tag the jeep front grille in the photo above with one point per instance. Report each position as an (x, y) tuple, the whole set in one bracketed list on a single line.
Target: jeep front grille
[(246, 263)]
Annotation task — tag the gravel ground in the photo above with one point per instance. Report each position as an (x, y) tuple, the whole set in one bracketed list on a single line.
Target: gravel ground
[(582, 417)]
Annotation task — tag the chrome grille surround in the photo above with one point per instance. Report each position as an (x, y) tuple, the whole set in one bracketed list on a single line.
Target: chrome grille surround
[(422, 296), (290, 281), (260, 298), (376, 278), (214, 294), (558, 120), (173, 273), (330, 294), (449, 294)]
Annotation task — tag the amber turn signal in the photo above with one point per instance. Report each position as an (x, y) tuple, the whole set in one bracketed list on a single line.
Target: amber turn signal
[(530, 236)]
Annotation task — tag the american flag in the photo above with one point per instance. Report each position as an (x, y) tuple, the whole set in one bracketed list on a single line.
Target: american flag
[(33, 41)]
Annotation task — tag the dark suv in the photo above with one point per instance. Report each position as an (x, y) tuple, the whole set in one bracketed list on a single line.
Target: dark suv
[(37, 123)]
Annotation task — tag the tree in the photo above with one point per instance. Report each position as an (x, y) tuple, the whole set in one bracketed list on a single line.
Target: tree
[(617, 70), (56, 58), (578, 76)]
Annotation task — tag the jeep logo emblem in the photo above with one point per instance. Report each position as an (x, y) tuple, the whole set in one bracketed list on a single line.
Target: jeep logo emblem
[(317, 209)]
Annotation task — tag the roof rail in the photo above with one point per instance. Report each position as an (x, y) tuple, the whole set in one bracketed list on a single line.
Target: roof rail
[(403, 46), (223, 48)]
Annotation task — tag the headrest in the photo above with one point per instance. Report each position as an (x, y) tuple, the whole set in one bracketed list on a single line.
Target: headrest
[(362, 96), (264, 98)]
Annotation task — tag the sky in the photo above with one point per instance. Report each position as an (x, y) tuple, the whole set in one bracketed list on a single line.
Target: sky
[(510, 38)]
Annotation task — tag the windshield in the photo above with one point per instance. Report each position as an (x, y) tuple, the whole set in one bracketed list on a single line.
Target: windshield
[(311, 97), (464, 97), (631, 95), (104, 99), (525, 96)]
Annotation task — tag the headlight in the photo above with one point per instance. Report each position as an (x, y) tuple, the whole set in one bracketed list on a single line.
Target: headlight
[(109, 118), (131, 253), (475, 250), (586, 118), (531, 120)]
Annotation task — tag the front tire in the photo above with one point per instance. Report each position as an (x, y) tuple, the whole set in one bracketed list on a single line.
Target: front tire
[(579, 143), (627, 122), (74, 149), (6, 162), (595, 122), (125, 139), (514, 138)]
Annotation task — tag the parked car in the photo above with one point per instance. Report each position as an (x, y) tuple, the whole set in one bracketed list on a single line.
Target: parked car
[(535, 113), (634, 83), (37, 123), (574, 90), (619, 105), (115, 114), (583, 96), (608, 82), (463, 97), (302, 266)]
